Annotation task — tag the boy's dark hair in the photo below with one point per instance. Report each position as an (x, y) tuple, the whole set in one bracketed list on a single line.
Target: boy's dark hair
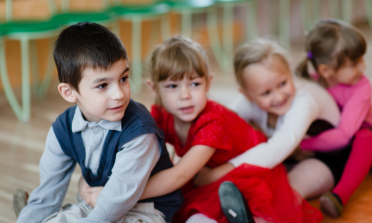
[(85, 45), (331, 42)]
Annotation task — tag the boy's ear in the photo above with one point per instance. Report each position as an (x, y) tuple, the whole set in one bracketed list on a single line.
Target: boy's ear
[(325, 71), (152, 87), (67, 92)]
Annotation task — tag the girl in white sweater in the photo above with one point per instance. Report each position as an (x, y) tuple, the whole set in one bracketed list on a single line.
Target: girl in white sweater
[(284, 107)]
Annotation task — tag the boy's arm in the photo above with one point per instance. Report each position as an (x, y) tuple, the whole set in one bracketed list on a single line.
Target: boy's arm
[(171, 179), (55, 173), (132, 168)]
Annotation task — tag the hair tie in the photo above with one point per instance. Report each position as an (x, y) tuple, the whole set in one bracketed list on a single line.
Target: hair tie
[(309, 55)]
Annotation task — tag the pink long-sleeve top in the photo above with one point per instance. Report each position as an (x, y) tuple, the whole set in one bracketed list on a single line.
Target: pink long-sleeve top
[(356, 110)]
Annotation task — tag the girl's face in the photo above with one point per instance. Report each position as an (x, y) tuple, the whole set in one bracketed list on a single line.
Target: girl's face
[(184, 99), (269, 85), (350, 73)]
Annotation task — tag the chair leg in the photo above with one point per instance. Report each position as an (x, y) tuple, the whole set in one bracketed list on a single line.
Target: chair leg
[(316, 11), (228, 40), (136, 55), (368, 5), (309, 13), (284, 28), (6, 84), (334, 8), (305, 14), (186, 20), (26, 96), (165, 27), (48, 76), (115, 28), (22, 113), (34, 67), (214, 38), (154, 38), (347, 10), (252, 31)]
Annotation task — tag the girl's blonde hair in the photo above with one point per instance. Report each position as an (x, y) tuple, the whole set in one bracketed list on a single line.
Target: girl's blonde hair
[(330, 42), (176, 57), (256, 51)]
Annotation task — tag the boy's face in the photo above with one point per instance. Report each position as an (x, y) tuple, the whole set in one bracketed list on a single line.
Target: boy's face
[(270, 85), (185, 98), (104, 94)]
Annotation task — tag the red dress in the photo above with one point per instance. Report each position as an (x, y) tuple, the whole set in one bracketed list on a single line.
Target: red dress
[(266, 190)]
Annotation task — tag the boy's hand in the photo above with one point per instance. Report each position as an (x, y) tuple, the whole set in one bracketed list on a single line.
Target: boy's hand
[(87, 193), (94, 193), (84, 192)]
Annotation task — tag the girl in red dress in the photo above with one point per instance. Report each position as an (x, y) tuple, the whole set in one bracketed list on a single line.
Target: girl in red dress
[(205, 133)]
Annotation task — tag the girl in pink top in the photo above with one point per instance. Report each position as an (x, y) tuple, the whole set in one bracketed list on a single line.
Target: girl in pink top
[(336, 50)]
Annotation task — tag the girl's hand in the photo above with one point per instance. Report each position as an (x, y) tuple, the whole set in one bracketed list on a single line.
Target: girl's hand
[(202, 177), (208, 175)]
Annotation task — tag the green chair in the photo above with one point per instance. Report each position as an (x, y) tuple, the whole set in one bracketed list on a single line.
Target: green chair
[(225, 53), (136, 14), (27, 32), (186, 8), (284, 23), (69, 17), (368, 5), (310, 11), (346, 9)]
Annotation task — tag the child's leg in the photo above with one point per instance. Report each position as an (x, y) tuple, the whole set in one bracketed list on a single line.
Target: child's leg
[(69, 213), (233, 204), (200, 218), (357, 166), (20, 198), (143, 212), (311, 178)]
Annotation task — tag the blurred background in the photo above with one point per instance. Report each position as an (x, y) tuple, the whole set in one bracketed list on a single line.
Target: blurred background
[(29, 101)]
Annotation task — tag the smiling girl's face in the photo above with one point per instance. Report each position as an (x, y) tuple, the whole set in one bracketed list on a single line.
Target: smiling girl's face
[(270, 85)]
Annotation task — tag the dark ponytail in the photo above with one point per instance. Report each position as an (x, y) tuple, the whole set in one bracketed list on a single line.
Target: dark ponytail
[(302, 70)]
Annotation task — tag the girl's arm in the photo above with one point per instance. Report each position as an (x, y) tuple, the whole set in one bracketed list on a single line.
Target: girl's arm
[(209, 175), (171, 179), (353, 114), (165, 181), (304, 110)]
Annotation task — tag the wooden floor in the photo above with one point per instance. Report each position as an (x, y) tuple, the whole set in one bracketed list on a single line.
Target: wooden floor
[(21, 144)]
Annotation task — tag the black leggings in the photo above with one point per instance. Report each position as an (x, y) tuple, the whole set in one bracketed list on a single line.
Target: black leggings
[(335, 160)]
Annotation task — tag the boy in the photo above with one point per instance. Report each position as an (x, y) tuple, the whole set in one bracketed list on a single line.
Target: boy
[(114, 140)]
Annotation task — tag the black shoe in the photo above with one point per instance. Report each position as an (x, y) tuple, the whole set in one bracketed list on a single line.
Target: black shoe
[(331, 204), (233, 204), (20, 198)]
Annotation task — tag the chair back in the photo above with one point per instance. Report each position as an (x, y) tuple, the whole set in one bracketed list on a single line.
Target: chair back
[(9, 9), (66, 6)]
